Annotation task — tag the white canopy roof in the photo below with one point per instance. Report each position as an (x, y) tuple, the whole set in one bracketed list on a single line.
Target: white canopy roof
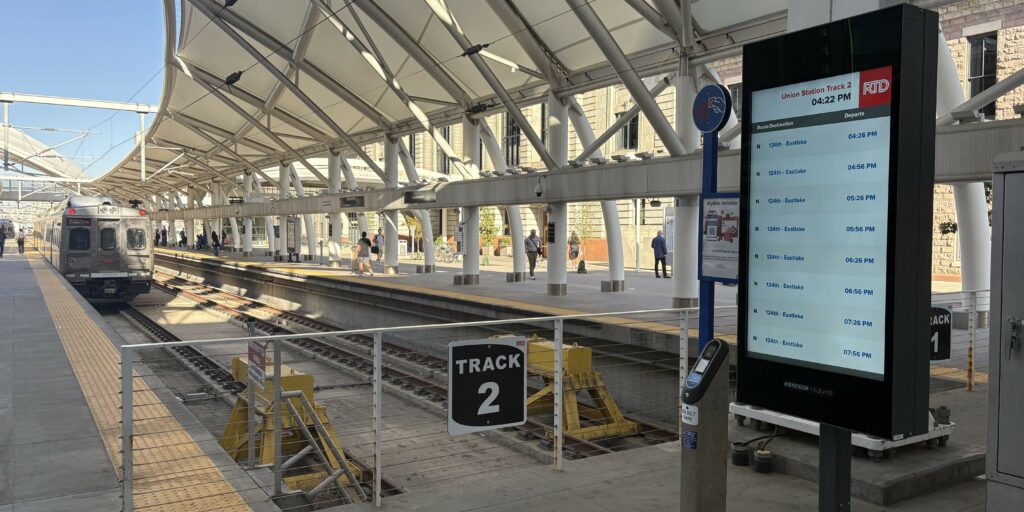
[(337, 100)]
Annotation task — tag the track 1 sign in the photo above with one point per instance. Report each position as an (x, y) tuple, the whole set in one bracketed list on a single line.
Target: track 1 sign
[(486, 384)]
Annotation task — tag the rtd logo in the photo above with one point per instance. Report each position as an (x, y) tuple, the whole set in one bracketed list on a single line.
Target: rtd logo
[(876, 87)]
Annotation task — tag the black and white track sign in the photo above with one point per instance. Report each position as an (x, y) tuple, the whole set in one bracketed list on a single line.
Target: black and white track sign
[(486, 384), (941, 321)]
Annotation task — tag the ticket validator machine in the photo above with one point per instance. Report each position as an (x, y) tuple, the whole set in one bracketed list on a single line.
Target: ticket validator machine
[(705, 439)]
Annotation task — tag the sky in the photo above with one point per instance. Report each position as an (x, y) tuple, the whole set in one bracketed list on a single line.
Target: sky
[(95, 49)]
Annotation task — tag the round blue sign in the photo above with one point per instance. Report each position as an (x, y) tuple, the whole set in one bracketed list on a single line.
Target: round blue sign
[(711, 108)]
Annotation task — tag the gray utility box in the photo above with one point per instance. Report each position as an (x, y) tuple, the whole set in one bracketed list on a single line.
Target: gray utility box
[(1005, 460)]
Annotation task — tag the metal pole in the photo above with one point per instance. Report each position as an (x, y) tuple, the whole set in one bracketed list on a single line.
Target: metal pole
[(252, 404), (636, 233), (7, 134), (684, 361), (558, 396), (709, 185), (277, 418), (833, 469), (972, 312), (142, 144), (378, 424), (127, 442)]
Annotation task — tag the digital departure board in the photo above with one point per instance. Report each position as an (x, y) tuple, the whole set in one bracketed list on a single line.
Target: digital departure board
[(837, 173), (819, 186)]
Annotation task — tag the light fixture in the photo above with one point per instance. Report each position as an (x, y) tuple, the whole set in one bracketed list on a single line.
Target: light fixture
[(539, 189), (655, 203)]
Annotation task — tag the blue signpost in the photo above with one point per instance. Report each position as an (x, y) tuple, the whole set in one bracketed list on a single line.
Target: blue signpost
[(711, 110)]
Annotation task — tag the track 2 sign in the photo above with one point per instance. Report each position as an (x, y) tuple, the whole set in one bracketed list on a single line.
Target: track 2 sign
[(486, 384)]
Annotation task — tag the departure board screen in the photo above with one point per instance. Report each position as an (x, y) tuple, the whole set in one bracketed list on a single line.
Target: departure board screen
[(818, 213)]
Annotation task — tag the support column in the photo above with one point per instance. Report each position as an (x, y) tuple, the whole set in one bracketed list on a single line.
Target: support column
[(268, 221), (609, 209), (190, 224), (390, 216), (558, 147), (350, 181), (284, 182), (685, 285), (236, 240), (471, 258), (426, 227), (334, 218), (515, 218), (307, 220), (247, 221)]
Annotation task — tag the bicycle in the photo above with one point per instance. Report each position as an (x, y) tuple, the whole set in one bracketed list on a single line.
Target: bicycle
[(445, 253)]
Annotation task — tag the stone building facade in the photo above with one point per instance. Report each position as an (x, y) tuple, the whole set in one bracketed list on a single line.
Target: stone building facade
[(989, 31)]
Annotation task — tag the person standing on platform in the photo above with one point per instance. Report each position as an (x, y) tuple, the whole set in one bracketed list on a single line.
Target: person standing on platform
[(378, 244), (223, 238), (163, 236), (3, 239), (215, 244), (533, 247), (574, 250), (182, 238), (364, 255), (21, 241), (660, 251)]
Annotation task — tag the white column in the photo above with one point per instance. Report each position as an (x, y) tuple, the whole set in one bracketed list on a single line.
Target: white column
[(284, 180), (190, 224), (350, 181), (236, 240), (515, 218), (971, 206), (609, 209), (471, 258), (334, 218), (390, 216), (685, 286), (268, 221), (307, 219), (247, 221), (429, 263), (558, 147)]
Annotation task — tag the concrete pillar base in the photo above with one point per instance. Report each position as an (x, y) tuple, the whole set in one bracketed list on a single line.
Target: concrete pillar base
[(557, 290), (391, 270), (278, 257), (457, 279), (681, 302), (425, 269), (307, 257), (613, 286), (515, 277), (471, 279), (246, 254), (268, 253)]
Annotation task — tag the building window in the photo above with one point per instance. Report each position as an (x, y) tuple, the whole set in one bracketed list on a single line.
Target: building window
[(412, 148), (444, 165), (981, 72), (629, 135), (736, 91), (512, 141)]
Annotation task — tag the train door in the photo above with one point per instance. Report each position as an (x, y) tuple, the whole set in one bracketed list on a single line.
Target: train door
[(108, 259), (137, 247)]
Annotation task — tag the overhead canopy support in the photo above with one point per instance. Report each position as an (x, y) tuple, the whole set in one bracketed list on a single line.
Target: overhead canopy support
[(16, 97), (595, 145)]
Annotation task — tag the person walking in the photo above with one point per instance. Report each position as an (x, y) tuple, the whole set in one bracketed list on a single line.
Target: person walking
[(660, 251), (216, 244), (21, 241), (378, 244), (364, 255), (574, 250), (533, 246), (3, 239)]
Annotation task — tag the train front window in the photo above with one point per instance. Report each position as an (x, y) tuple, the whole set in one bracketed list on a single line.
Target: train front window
[(136, 239), (108, 239), (78, 239)]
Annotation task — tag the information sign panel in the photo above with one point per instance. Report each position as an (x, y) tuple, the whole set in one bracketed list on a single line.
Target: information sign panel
[(837, 172), (486, 384), (258, 363), (719, 238)]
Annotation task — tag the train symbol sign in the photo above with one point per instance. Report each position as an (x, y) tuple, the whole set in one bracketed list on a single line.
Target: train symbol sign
[(486, 384)]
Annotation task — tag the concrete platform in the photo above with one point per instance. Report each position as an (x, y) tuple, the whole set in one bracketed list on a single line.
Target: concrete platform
[(51, 454), (647, 479)]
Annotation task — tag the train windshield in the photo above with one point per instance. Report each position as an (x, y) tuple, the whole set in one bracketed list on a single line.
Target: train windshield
[(136, 239), (78, 239), (108, 239)]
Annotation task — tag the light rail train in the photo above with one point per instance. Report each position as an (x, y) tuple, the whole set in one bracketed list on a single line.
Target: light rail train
[(103, 249), (7, 226)]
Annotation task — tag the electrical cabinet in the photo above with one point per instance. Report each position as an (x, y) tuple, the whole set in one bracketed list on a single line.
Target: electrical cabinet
[(1005, 458)]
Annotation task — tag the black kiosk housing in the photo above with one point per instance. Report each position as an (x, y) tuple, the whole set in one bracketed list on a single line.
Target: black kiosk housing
[(905, 38)]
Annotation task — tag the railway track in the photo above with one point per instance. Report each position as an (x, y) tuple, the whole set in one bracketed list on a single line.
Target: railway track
[(407, 369), (215, 373)]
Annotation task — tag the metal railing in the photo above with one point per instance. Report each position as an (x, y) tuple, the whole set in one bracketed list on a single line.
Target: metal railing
[(968, 359), (404, 435)]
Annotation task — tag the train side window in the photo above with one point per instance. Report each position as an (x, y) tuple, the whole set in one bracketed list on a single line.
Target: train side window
[(136, 239), (78, 239), (108, 239)]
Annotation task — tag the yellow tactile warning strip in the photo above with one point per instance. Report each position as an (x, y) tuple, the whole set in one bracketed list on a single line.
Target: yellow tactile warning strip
[(659, 327), (172, 473)]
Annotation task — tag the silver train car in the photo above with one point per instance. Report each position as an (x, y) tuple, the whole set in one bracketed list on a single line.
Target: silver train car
[(7, 226), (104, 250)]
